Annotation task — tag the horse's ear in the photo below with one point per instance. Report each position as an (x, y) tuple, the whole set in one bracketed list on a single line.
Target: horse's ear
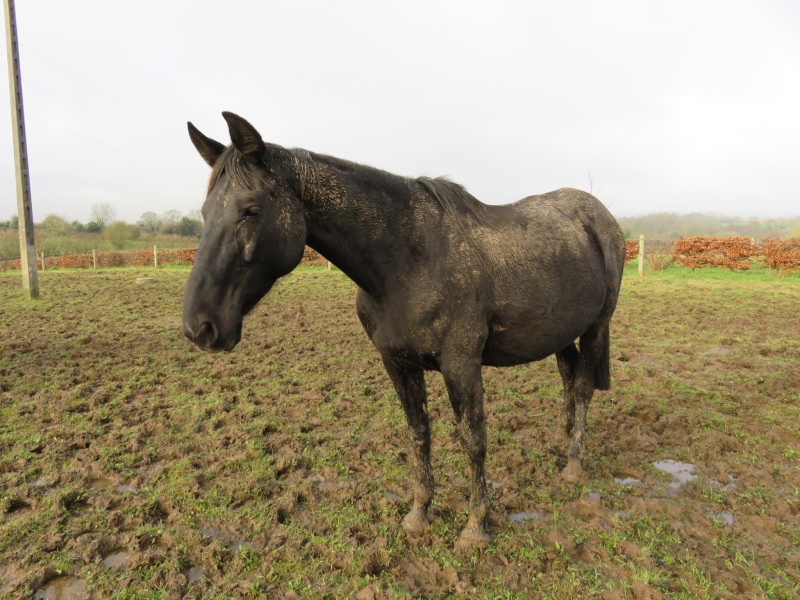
[(244, 136), (209, 149)]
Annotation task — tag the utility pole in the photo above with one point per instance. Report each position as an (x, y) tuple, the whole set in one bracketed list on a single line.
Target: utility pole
[(27, 243)]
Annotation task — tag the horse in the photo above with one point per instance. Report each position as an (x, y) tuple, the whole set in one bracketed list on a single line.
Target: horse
[(445, 282)]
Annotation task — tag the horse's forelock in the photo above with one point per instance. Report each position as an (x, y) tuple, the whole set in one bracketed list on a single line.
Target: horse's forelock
[(240, 169)]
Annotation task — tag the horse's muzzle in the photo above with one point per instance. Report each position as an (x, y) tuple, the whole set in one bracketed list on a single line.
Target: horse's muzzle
[(207, 337)]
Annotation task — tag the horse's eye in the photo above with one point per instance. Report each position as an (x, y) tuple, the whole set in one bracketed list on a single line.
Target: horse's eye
[(252, 211)]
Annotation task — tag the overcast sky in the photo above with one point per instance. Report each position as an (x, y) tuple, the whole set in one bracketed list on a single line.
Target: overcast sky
[(679, 105)]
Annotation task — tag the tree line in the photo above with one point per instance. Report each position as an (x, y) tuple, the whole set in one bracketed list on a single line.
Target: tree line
[(666, 226), (55, 235)]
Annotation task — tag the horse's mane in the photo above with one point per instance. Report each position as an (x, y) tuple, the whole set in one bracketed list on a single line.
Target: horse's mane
[(452, 197), (455, 200)]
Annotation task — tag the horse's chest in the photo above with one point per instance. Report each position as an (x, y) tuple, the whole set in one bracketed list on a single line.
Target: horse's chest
[(408, 325)]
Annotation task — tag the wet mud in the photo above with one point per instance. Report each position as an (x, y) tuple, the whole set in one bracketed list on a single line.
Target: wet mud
[(132, 464)]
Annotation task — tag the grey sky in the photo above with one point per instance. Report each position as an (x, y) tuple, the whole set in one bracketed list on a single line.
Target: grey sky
[(671, 106)]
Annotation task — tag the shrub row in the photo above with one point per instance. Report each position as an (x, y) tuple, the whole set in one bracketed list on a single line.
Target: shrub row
[(736, 253), (631, 249), (782, 254)]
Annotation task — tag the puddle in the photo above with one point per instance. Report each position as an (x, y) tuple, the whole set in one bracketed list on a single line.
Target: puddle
[(115, 560), (393, 496), (154, 470), (125, 488), (210, 532), (496, 484), (593, 495), (327, 485), (64, 588), (682, 473), (194, 574), (731, 485), (722, 516), (240, 544), (719, 351), (627, 481), (99, 484), (236, 544), (524, 516)]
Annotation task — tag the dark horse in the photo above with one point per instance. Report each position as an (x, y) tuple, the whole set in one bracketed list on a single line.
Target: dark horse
[(444, 282)]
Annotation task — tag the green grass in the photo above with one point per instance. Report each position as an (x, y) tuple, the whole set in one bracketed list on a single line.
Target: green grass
[(295, 444)]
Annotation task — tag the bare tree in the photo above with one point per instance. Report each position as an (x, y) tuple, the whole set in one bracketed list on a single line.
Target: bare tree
[(171, 216), (195, 215), (150, 221), (593, 190), (103, 213)]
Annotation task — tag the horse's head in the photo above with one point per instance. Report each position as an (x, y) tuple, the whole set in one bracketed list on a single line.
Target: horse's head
[(254, 233)]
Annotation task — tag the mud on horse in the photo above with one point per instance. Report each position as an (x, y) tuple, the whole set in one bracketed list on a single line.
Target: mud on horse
[(445, 282)]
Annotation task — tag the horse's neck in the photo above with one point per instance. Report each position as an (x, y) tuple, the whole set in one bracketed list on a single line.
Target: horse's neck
[(353, 217)]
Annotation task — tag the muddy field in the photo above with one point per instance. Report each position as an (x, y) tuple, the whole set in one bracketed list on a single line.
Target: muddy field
[(134, 466)]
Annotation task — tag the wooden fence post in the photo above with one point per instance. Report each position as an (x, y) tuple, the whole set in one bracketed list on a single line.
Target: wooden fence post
[(641, 255), (42, 260), (94, 258), (155, 256)]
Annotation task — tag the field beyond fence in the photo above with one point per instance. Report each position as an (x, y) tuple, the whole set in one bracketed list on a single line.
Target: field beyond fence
[(737, 253)]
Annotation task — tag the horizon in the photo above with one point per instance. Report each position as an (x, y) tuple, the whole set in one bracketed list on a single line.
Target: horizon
[(721, 218), (511, 100)]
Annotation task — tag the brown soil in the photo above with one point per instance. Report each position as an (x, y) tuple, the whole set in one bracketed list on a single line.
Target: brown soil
[(137, 465)]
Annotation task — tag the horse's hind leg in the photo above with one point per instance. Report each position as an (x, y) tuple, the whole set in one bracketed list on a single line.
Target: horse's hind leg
[(593, 344), (567, 366), (410, 386), (465, 388)]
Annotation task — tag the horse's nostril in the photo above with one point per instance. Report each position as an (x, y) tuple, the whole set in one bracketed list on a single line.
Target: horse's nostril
[(206, 335)]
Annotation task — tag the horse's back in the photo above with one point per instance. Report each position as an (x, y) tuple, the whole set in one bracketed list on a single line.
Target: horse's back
[(568, 211), (554, 262)]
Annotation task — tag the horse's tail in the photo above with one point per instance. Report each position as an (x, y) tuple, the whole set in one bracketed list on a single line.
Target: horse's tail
[(602, 372)]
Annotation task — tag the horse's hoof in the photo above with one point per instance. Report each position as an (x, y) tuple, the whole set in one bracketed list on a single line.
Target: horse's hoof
[(415, 521), (472, 538), (573, 472)]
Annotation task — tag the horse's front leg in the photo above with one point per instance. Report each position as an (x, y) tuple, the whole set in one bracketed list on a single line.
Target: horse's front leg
[(410, 386), (465, 388)]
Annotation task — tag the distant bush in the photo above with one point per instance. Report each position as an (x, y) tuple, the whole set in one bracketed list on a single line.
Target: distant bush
[(120, 233), (735, 253), (659, 255), (631, 249), (783, 255)]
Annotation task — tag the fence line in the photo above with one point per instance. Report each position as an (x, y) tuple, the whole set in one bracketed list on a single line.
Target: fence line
[(134, 258), (736, 253)]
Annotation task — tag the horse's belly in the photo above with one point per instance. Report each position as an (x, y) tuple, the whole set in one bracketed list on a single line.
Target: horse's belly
[(527, 335), (496, 357), (505, 349)]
